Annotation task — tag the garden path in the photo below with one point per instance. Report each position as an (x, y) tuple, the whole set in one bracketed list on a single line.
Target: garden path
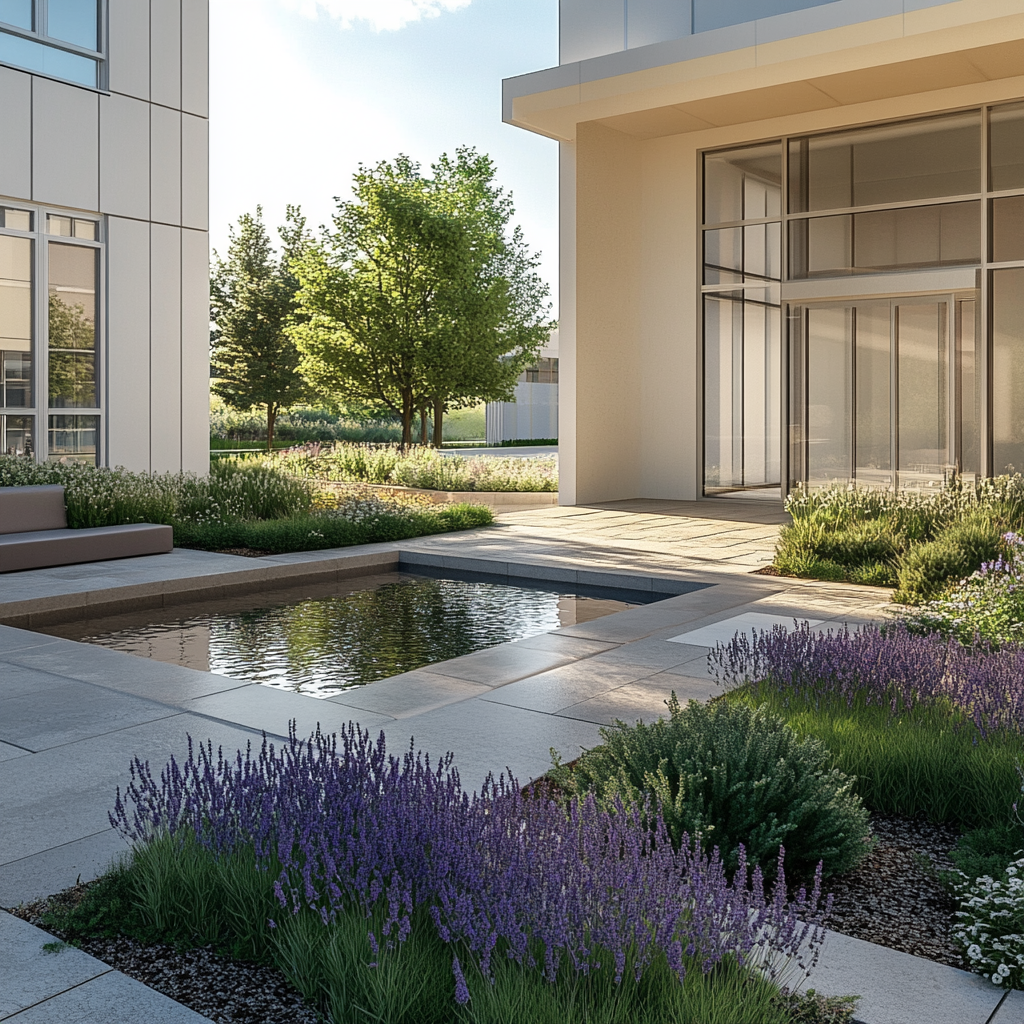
[(73, 715)]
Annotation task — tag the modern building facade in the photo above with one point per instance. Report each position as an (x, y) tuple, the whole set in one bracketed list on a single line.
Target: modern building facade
[(792, 242), (104, 250), (533, 415)]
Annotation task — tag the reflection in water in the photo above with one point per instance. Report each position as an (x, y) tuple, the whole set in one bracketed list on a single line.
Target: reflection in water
[(320, 645)]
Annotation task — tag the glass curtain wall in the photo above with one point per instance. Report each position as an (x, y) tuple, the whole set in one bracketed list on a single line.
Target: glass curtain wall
[(49, 342), (742, 320), (899, 390)]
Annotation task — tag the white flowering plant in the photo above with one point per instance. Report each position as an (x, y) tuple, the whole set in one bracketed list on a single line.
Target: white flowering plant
[(990, 925)]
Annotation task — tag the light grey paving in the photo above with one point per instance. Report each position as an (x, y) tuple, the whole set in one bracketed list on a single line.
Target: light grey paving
[(725, 630), (685, 687), (31, 974), (551, 691), (897, 988), (411, 693), (653, 652), (499, 665), (271, 710), (643, 701), (126, 673), (570, 646), (65, 793), (9, 751), (12, 639), (112, 998), (1012, 1009), (488, 737), (60, 711), (49, 871)]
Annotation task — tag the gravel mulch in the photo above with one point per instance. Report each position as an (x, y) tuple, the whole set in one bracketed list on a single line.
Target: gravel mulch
[(226, 991), (894, 898)]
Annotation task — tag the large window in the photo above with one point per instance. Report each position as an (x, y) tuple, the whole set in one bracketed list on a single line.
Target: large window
[(60, 38), (50, 401), (897, 385)]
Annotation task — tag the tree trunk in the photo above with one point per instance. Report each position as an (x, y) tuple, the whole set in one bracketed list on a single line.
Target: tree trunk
[(438, 421), (407, 411), (423, 425), (271, 420)]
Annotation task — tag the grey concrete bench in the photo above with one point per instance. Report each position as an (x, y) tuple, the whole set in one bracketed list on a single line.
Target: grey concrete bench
[(34, 533)]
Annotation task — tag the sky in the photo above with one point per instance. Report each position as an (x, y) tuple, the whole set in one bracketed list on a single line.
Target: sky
[(303, 91)]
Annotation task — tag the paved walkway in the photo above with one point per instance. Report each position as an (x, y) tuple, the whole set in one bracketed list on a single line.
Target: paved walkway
[(72, 715)]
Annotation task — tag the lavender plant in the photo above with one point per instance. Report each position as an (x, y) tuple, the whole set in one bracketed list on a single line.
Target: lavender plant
[(570, 895), (988, 606), (925, 724)]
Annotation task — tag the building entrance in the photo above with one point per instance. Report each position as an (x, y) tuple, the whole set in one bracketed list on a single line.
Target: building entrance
[(884, 392)]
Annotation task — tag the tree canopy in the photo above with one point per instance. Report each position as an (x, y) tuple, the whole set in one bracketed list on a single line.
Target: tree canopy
[(252, 299), (420, 295)]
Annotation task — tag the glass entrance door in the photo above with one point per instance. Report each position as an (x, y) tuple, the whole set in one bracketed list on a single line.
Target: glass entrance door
[(883, 392)]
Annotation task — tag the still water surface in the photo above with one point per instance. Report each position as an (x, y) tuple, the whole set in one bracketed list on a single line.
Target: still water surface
[(322, 640)]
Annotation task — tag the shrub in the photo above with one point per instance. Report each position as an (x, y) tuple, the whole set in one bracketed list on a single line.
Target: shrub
[(927, 568), (734, 777), (925, 725), (915, 541), (377, 874)]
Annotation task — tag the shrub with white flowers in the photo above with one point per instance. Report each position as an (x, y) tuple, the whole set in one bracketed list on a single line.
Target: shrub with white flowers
[(990, 925)]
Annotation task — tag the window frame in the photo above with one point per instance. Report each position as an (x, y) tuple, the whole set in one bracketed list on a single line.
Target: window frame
[(41, 411), (36, 35)]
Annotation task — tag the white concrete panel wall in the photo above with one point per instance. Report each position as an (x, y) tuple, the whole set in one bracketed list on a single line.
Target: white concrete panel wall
[(65, 145), (195, 57), (165, 52), (134, 157), (587, 28), (128, 356), (16, 134), (195, 351), (165, 349), (124, 156), (129, 47), (654, 21), (165, 194), (195, 176)]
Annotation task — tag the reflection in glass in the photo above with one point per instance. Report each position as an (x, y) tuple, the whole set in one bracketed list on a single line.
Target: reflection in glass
[(829, 345), (923, 393), (1006, 146), (874, 397), (15, 322), (743, 184), (968, 388), (73, 438), (16, 436), (17, 13), (72, 327), (1008, 228), (47, 60), (15, 220), (74, 21), (16, 368), (948, 234), (1008, 371), (892, 163), (742, 391)]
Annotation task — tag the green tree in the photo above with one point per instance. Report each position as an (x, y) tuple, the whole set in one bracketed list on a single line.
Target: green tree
[(252, 299), (420, 297)]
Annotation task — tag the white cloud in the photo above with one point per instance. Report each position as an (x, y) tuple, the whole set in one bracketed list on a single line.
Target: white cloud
[(380, 15)]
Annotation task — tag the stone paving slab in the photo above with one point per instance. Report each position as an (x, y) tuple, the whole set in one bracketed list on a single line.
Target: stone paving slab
[(1012, 1009), (30, 974), (411, 693), (897, 988), (723, 631)]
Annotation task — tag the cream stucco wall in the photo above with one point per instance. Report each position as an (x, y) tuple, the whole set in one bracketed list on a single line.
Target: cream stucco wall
[(630, 418)]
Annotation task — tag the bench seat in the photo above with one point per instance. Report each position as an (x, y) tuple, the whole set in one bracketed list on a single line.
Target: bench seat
[(43, 548)]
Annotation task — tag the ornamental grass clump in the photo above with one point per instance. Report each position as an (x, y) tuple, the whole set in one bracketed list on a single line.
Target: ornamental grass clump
[(925, 724), (735, 778), (371, 880)]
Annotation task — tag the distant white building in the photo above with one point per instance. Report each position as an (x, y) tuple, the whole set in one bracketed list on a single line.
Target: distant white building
[(104, 252), (534, 413)]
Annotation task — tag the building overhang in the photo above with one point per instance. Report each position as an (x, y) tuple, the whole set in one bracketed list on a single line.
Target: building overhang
[(734, 76)]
